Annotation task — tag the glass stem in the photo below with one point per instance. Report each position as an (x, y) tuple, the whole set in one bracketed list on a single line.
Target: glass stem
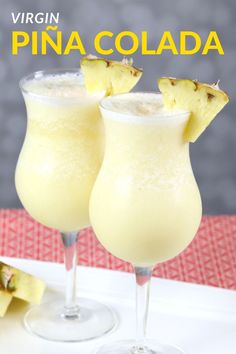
[(69, 239), (143, 279)]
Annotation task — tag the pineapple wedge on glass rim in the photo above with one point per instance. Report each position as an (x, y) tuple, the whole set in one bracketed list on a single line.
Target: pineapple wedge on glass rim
[(203, 101), (109, 76)]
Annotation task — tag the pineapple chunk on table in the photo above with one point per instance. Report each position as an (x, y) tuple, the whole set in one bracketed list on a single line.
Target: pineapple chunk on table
[(18, 284)]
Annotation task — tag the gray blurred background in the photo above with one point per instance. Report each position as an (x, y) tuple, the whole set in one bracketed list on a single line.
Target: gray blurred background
[(213, 156)]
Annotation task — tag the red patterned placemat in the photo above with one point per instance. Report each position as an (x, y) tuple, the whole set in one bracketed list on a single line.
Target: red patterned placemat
[(210, 259)]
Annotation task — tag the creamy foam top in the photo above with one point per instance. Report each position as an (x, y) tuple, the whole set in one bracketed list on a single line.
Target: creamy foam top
[(66, 85), (137, 107), (138, 104)]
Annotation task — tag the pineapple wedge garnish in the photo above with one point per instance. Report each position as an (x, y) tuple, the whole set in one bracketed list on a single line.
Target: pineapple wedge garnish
[(15, 283), (203, 101), (108, 76)]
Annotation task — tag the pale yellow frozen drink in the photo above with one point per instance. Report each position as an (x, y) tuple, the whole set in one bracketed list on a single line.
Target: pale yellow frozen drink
[(145, 206), (62, 151)]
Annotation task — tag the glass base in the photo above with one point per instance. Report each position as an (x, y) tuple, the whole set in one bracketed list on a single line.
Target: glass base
[(130, 347), (49, 321)]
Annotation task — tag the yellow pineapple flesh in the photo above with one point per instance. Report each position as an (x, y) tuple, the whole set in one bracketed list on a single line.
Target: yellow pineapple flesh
[(108, 76), (18, 284), (201, 100), (5, 300)]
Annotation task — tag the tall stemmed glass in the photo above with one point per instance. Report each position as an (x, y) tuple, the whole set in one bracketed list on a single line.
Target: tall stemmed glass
[(57, 167), (145, 206)]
